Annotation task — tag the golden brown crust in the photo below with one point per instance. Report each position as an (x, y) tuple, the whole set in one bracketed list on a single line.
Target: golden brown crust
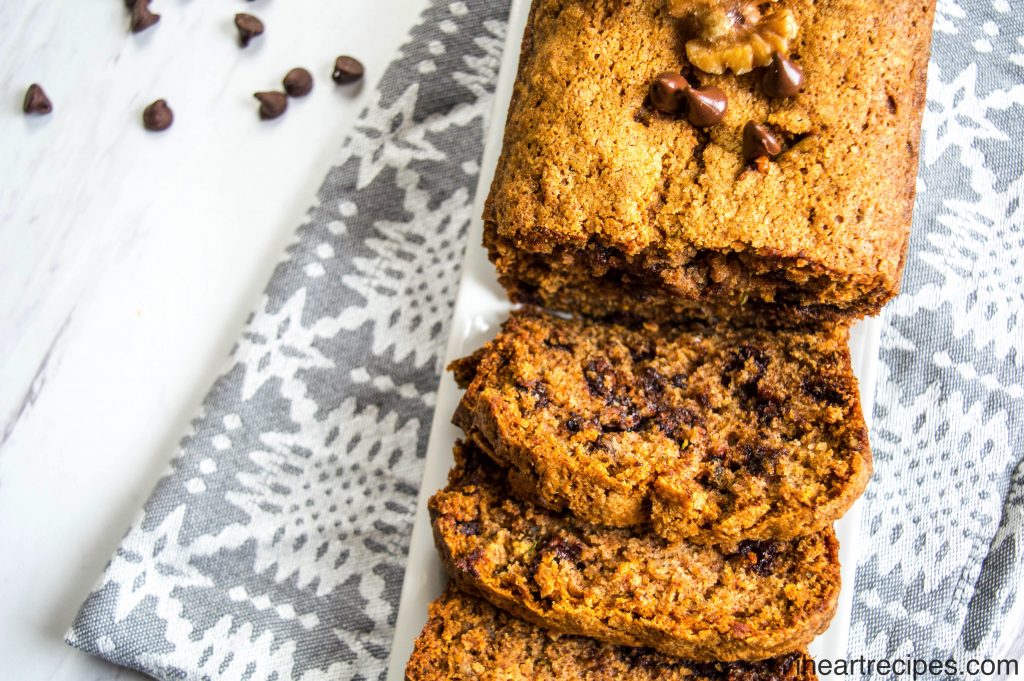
[(631, 587), (599, 205), (466, 638), (713, 434)]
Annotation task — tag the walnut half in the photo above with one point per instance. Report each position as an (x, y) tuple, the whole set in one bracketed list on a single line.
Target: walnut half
[(734, 35)]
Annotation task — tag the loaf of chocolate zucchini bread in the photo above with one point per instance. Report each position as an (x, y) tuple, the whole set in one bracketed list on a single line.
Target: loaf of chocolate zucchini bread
[(794, 203)]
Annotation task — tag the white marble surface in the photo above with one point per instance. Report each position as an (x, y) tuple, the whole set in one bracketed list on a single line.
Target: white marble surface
[(129, 260)]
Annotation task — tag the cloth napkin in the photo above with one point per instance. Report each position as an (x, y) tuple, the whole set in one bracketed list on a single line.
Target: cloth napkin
[(274, 546)]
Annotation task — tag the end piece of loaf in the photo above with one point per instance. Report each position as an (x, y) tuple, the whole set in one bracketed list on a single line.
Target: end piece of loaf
[(600, 205)]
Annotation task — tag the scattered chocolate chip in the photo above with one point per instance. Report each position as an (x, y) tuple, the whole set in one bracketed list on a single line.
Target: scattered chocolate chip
[(298, 82), (759, 141), (272, 104), (248, 28), (347, 70), (705, 106), (157, 117), (667, 90), (142, 18), (36, 101), (783, 78)]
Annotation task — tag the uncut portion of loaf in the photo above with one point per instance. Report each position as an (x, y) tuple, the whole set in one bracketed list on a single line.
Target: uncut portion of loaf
[(600, 205), (631, 587), (467, 638), (714, 434)]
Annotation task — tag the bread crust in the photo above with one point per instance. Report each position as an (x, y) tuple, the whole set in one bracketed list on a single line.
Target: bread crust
[(601, 206)]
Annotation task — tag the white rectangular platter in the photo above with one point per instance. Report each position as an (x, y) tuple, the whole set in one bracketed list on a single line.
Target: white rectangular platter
[(480, 308)]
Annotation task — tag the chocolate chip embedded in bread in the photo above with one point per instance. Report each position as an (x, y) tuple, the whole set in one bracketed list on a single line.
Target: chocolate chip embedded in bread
[(705, 106), (759, 141), (783, 77), (666, 92)]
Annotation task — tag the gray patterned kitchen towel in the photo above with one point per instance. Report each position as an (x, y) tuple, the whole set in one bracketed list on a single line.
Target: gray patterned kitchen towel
[(274, 547), (942, 543)]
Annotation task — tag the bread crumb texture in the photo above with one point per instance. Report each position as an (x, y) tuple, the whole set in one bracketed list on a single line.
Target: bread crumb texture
[(628, 587), (711, 433), (467, 638)]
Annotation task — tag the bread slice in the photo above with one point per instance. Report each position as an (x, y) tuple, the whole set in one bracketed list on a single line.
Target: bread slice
[(626, 586), (602, 205), (467, 638), (713, 434)]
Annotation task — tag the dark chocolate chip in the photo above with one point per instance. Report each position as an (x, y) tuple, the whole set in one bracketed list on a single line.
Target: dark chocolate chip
[(667, 91), (272, 104), (824, 391), (347, 70), (651, 381), (705, 106), (600, 377), (157, 116), (142, 18), (248, 28), (36, 101), (645, 659), (759, 141), (565, 549), (468, 563), (574, 425), (758, 457), (298, 82), (768, 410), (675, 423), (539, 391), (470, 528), (783, 77), (765, 555)]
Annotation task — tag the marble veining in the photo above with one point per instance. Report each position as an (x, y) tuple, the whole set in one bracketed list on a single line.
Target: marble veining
[(129, 259)]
